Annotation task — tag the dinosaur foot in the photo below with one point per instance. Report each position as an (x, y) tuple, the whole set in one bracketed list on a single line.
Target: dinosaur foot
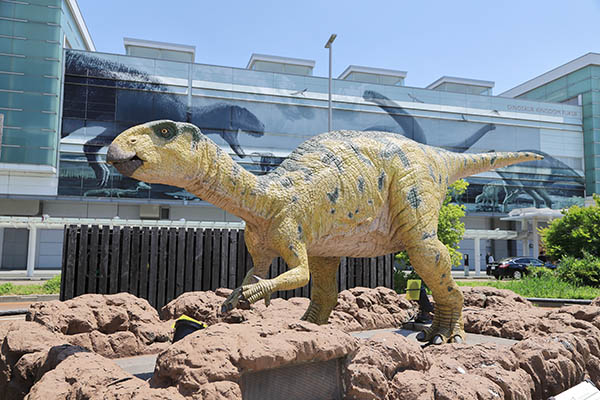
[(245, 295), (447, 327), (313, 314)]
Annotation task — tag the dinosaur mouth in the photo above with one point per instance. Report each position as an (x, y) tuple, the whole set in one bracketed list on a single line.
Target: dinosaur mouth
[(125, 162)]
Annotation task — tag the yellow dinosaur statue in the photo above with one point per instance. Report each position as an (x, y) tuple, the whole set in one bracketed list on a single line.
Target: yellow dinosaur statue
[(342, 193)]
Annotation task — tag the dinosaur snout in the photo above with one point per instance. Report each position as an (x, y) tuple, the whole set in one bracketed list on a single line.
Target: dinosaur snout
[(126, 162)]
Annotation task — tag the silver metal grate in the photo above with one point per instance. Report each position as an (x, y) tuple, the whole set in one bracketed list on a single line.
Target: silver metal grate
[(312, 381)]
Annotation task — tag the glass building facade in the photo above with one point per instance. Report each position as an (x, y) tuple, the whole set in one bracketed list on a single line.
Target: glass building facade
[(32, 36), (581, 86), (260, 117)]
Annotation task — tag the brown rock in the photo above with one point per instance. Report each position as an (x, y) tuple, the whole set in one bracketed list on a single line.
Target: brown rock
[(595, 302), (464, 386), (111, 325), (363, 308), (491, 298), (80, 375), (411, 385), (370, 369), (552, 363), (497, 364), (22, 347), (212, 360), (137, 389), (357, 309)]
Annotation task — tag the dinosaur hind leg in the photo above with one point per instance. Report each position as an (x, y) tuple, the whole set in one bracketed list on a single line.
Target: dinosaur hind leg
[(431, 260), (324, 289)]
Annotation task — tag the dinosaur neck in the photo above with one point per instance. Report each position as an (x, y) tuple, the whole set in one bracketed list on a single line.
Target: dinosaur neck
[(222, 182)]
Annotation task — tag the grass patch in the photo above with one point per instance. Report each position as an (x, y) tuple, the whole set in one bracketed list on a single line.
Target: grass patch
[(51, 286), (544, 286)]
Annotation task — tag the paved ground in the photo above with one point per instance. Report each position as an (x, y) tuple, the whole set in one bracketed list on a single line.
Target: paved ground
[(19, 277)]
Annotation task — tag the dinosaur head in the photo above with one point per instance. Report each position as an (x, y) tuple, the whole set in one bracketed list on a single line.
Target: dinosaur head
[(157, 152)]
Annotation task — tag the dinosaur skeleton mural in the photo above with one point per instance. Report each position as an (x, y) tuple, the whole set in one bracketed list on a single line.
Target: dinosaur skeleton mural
[(109, 84), (516, 181), (106, 94)]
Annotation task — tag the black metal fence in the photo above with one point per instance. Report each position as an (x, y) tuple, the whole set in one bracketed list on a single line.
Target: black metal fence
[(159, 264)]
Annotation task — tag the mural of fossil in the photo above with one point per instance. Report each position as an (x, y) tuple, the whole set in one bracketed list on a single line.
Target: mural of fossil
[(117, 92), (516, 181), (106, 94)]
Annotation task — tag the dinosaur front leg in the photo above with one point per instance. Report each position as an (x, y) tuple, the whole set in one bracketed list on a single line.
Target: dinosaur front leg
[(295, 277), (324, 289), (256, 274), (431, 260)]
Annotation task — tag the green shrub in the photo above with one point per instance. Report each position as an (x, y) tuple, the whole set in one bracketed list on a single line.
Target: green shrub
[(6, 288), (577, 232), (580, 271), (52, 285)]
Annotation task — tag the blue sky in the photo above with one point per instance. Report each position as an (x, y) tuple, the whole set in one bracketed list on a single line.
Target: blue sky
[(505, 41)]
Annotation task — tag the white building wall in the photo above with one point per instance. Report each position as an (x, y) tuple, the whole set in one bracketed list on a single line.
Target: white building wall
[(49, 254)]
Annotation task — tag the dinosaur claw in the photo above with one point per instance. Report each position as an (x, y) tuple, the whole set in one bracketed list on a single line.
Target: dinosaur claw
[(457, 339), (437, 339), (422, 336)]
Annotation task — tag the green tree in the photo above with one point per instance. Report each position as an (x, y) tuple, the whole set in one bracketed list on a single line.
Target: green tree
[(576, 233), (450, 227)]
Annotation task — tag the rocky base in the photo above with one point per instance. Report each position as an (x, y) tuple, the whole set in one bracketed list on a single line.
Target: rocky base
[(63, 351)]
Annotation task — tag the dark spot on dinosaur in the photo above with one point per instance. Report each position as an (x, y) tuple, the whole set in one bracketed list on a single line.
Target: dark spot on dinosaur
[(358, 153), (333, 197), (440, 179), (437, 258), (381, 180), (330, 158), (294, 199), (350, 215), (392, 150), (356, 211), (450, 288), (333, 210), (443, 275), (370, 201), (361, 184), (413, 198), (428, 235), (431, 174), (286, 182), (493, 160), (299, 231)]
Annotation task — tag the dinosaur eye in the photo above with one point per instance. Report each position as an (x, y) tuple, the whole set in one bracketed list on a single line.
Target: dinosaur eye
[(166, 132)]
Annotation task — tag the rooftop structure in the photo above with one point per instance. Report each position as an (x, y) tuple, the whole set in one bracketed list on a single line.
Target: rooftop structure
[(159, 50), (462, 85), (381, 76), (285, 65)]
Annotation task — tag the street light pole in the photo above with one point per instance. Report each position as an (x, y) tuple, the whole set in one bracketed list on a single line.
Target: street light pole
[(328, 46)]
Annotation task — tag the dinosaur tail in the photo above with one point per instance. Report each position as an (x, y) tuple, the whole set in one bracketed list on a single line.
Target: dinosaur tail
[(466, 164)]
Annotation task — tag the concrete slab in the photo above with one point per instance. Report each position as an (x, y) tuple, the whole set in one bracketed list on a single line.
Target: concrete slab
[(140, 366), (472, 338)]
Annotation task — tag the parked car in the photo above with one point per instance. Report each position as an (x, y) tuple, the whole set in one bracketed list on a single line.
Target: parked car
[(516, 267)]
